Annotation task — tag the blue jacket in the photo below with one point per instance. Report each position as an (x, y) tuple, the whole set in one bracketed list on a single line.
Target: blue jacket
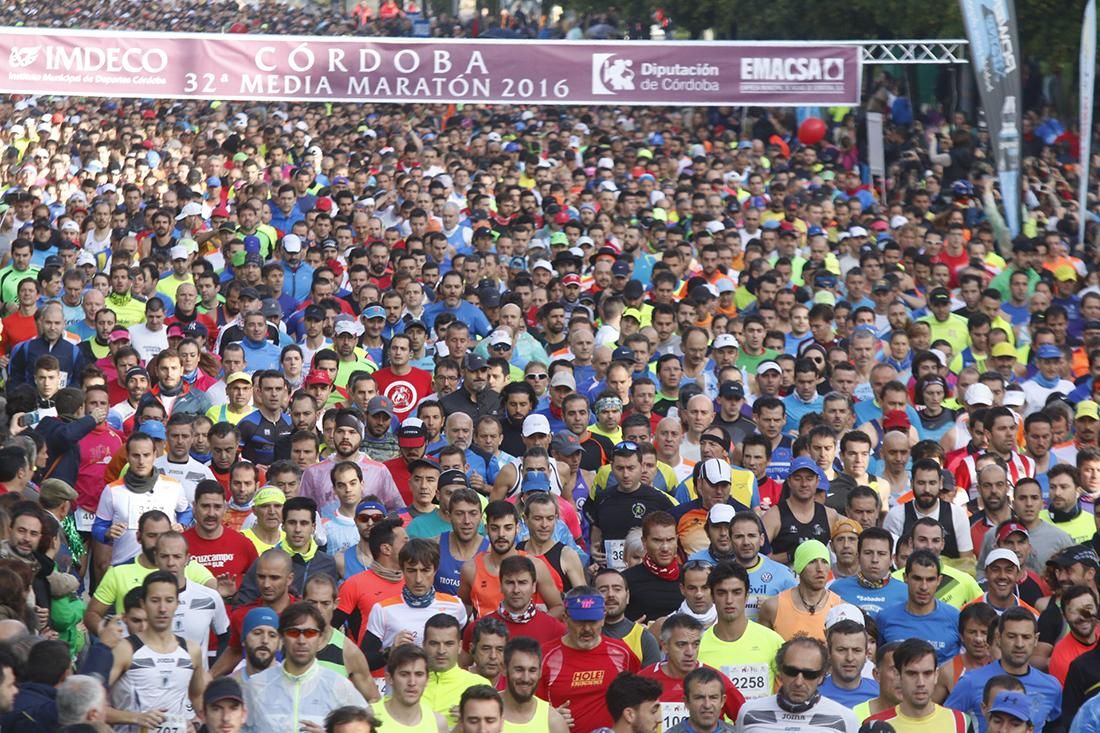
[(63, 438), (465, 311), (296, 283), (34, 710), (25, 354), (262, 355)]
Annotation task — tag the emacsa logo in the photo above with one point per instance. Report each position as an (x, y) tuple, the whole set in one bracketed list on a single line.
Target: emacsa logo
[(611, 75), (22, 57)]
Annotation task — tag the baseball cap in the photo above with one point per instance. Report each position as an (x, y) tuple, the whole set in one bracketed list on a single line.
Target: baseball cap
[(176, 331), (153, 429), (238, 377), (1065, 273), (768, 366), (374, 311), (566, 443), (843, 612), (453, 477), (716, 471), (500, 337), (1009, 527), (940, 296), (1087, 408), (721, 514), (979, 394), (473, 362), (1003, 349), (119, 334), (802, 463), (347, 325), (1075, 554), (318, 376), (896, 420), (571, 279), (563, 379), (845, 525), (380, 404), (269, 495), (807, 552), (292, 243), (622, 353), (412, 433), (1001, 553), (177, 253), (1011, 703), (227, 688), (535, 425), (1049, 351), (732, 390), (587, 607), (254, 619), (724, 341), (536, 481), (313, 313), (271, 308)]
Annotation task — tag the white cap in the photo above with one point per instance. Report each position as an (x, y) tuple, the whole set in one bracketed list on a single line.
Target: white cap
[(1001, 553), (585, 239), (1013, 398), (725, 285), (535, 425), (716, 471), (605, 162), (543, 265), (85, 258), (191, 209), (721, 514), (857, 232), (292, 243), (177, 253), (70, 226), (494, 137), (412, 422), (724, 341), (500, 336), (979, 394), (564, 379), (898, 221), (843, 612), (190, 246), (714, 226), (768, 366), (348, 325)]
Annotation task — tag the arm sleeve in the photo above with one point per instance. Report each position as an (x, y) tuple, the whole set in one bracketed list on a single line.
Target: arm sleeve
[(372, 650), (99, 530), (962, 530)]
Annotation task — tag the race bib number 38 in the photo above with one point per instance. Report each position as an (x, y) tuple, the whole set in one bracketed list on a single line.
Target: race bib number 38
[(616, 557), (753, 680)]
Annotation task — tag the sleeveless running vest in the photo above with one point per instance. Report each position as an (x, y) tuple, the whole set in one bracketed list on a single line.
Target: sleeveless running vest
[(539, 722), (352, 566), (790, 620), (793, 532), (950, 542), (332, 656), (552, 557), (427, 722), (449, 574)]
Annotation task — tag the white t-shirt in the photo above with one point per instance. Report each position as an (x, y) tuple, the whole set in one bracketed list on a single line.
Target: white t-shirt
[(148, 343), (201, 610), (119, 505), (188, 473)]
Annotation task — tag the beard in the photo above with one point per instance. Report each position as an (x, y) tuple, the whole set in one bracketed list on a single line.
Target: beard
[(257, 662)]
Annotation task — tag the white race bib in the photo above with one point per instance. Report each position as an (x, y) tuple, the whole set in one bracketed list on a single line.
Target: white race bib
[(84, 520), (616, 553), (383, 688), (672, 713), (752, 680), (138, 505), (171, 724)]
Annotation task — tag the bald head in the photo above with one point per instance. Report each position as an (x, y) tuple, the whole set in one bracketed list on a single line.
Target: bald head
[(275, 562)]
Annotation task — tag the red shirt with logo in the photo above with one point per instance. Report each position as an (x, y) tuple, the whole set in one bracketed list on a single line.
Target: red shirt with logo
[(405, 391), (581, 678), (231, 553)]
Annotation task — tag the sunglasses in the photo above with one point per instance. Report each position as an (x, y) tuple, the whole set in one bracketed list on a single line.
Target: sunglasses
[(540, 375), (625, 448), (809, 674), (295, 633), (500, 347), (370, 517)]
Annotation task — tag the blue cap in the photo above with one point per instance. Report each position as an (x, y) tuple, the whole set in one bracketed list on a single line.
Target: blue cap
[(803, 463), (153, 429), (214, 182), (815, 231), (1049, 351), (770, 224), (585, 608), (252, 243), (258, 617), (622, 353), (517, 263), (1011, 703), (374, 311), (536, 481)]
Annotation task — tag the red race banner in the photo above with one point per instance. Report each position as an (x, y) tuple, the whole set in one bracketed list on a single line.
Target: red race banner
[(348, 69)]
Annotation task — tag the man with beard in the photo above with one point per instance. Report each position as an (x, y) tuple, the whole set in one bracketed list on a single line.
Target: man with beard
[(680, 637), (517, 401), (578, 667), (260, 635), (517, 610), (274, 573), (463, 540), (404, 709), (480, 587), (522, 710), (616, 595), (655, 590), (795, 610), (474, 396), (872, 588), (1079, 606), (120, 579), (347, 437), (926, 483)]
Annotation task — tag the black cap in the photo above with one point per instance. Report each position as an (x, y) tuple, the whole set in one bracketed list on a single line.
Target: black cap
[(735, 390), (483, 232), (490, 298), (474, 362), (939, 295), (250, 293), (196, 328), (1091, 326), (314, 313), (1076, 554), (882, 287), (453, 477), (622, 354), (222, 688), (633, 290), (271, 308)]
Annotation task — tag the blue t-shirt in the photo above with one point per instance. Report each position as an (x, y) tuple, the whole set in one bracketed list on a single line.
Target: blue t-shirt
[(939, 628), (849, 698), (871, 600), (768, 579), (1044, 694), (797, 409)]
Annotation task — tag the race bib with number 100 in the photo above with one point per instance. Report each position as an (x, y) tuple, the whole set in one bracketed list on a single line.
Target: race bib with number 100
[(672, 714), (752, 680)]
